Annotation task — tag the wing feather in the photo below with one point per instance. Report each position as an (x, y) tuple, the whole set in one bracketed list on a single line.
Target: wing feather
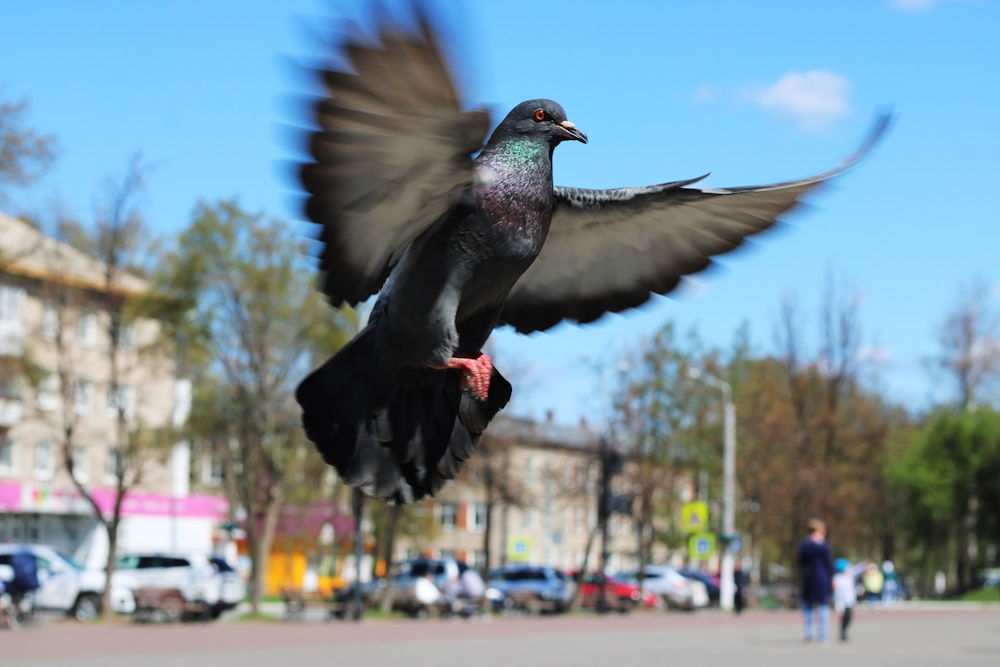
[(610, 250), (391, 155)]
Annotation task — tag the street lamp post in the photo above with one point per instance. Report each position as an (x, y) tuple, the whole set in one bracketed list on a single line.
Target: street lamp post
[(604, 492), (727, 588)]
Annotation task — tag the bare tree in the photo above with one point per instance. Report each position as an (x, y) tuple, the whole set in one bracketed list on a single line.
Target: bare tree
[(970, 345), (24, 153), (105, 299), (838, 439), (490, 469)]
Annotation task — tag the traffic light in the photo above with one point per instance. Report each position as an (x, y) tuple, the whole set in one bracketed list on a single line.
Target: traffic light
[(620, 504), (613, 462)]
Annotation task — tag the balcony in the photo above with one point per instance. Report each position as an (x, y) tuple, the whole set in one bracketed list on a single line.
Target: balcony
[(11, 338), (11, 411)]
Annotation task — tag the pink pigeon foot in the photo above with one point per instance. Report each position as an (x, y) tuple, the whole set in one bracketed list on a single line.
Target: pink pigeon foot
[(476, 374)]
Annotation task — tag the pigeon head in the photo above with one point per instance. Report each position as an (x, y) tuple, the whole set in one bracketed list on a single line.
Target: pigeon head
[(540, 119)]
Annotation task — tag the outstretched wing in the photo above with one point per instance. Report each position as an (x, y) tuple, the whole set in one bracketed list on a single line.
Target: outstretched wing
[(610, 250), (391, 155)]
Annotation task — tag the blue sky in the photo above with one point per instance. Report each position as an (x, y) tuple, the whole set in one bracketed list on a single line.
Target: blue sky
[(754, 92)]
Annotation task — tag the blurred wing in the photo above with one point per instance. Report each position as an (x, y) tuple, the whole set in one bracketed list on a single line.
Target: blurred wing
[(609, 250), (392, 155)]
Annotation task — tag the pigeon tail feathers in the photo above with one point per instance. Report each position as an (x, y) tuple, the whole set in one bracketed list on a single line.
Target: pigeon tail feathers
[(399, 440)]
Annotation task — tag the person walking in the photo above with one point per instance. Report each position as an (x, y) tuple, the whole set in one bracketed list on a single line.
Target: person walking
[(816, 569), (740, 584), (890, 587), (844, 594), (873, 581)]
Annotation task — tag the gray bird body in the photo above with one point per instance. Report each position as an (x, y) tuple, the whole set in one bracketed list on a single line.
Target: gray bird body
[(444, 296), (456, 245)]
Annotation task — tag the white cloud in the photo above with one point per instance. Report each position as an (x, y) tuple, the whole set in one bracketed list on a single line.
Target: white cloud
[(913, 5), (815, 99)]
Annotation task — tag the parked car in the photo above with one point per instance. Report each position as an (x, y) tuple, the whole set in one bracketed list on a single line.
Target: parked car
[(620, 595), (206, 580), (676, 590), (402, 584), (533, 588), (712, 585), (65, 585)]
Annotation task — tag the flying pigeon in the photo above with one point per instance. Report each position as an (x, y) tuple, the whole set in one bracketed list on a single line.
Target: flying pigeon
[(457, 238)]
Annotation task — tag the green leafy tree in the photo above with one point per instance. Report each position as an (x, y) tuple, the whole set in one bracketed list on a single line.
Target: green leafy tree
[(247, 311), (949, 480), (662, 420)]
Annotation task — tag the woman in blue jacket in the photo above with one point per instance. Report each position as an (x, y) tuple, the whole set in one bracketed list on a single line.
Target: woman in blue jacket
[(816, 568)]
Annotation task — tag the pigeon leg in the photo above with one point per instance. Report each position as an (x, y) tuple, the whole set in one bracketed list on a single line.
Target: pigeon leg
[(476, 374)]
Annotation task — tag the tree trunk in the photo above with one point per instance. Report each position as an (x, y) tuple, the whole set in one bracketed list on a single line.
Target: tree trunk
[(385, 604), (586, 562), (111, 527), (261, 546)]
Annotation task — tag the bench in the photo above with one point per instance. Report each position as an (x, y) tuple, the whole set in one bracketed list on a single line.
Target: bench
[(297, 601), (164, 604)]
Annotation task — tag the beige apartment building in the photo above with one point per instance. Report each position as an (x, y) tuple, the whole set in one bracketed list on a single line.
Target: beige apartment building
[(552, 474), (54, 351)]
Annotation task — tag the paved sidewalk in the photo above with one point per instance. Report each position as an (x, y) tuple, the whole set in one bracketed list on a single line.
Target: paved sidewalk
[(924, 637)]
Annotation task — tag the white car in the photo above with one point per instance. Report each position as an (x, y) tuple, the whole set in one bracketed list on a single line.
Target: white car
[(677, 591), (65, 586), (208, 580)]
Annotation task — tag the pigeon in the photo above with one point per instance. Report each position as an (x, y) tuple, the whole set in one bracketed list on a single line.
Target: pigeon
[(458, 237)]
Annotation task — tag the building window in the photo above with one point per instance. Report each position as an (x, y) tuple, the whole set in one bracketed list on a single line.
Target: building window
[(121, 397), (81, 464), (83, 395), (477, 559), (128, 337), (45, 462), (527, 519), (50, 323), (6, 454), (212, 470), (48, 392), (530, 471), (86, 329), (11, 299), (111, 465), (449, 516), (477, 517)]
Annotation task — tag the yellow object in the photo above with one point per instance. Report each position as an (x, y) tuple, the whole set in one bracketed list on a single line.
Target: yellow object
[(694, 517), (519, 549), (701, 546)]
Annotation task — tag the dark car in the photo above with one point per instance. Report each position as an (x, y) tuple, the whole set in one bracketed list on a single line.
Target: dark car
[(532, 588), (711, 583)]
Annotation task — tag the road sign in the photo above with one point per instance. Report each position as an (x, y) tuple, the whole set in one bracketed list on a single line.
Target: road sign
[(701, 546), (694, 517), (519, 549)]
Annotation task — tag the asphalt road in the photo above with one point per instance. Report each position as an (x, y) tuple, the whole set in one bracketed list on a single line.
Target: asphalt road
[(913, 637)]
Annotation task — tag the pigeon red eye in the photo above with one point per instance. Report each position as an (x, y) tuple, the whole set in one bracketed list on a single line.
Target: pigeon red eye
[(539, 115)]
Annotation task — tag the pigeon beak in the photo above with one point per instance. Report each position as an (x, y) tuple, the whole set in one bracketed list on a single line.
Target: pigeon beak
[(570, 132)]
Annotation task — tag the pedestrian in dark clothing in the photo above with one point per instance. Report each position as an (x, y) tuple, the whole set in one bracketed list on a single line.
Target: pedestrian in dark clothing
[(816, 568), (740, 584), (25, 569)]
